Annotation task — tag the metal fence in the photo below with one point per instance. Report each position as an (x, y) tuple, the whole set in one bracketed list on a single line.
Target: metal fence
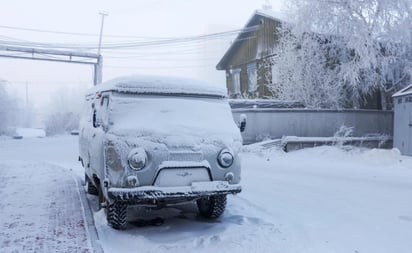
[(274, 123)]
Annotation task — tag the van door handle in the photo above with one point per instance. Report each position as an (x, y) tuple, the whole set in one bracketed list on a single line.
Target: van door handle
[(410, 124)]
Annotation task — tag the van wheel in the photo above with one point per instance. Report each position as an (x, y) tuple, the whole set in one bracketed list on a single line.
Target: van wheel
[(90, 188), (117, 215), (212, 207)]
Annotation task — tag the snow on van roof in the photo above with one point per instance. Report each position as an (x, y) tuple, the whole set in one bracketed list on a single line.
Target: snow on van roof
[(160, 85)]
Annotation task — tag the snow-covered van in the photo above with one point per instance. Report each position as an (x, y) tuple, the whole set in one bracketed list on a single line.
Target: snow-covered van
[(155, 141)]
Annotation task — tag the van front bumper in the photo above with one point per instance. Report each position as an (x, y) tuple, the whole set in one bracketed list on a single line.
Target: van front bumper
[(155, 194)]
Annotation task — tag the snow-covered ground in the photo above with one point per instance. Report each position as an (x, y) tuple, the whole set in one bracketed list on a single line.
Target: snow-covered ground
[(41, 206), (325, 199)]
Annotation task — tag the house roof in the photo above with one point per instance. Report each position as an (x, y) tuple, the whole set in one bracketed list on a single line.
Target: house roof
[(405, 91), (251, 25)]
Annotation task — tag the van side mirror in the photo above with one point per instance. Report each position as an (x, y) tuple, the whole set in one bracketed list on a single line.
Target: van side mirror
[(242, 122)]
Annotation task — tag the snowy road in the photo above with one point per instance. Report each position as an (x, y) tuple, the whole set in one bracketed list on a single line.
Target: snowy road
[(316, 200), (330, 200)]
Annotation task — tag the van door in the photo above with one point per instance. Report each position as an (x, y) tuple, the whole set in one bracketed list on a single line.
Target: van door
[(98, 136), (85, 133)]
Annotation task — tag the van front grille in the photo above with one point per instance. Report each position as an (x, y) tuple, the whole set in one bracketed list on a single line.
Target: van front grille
[(186, 156)]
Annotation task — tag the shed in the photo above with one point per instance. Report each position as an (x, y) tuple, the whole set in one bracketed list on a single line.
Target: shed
[(402, 137)]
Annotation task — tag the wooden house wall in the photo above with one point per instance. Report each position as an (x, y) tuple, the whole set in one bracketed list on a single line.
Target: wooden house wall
[(253, 47)]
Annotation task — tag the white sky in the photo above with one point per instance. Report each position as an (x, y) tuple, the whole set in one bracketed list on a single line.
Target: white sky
[(148, 18)]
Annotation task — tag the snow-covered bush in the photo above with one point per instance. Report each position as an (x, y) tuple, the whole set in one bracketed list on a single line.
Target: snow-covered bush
[(8, 109), (335, 53), (341, 134), (63, 112)]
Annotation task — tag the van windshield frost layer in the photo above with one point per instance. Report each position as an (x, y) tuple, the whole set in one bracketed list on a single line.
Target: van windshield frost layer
[(169, 115)]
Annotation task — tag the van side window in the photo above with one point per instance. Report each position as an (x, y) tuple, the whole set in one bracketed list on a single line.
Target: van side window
[(104, 102), (104, 107)]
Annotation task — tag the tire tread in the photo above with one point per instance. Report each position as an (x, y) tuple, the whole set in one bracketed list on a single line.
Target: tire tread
[(216, 207), (117, 215)]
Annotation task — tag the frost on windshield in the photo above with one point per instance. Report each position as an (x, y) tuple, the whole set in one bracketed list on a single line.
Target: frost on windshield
[(174, 119)]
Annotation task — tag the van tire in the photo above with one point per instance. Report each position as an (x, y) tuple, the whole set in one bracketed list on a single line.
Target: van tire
[(117, 215), (90, 188), (212, 207)]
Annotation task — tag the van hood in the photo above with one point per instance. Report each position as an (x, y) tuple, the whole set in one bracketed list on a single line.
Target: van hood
[(181, 139)]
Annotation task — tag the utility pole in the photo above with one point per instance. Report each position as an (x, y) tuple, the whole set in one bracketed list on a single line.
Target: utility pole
[(103, 14), (98, 67)]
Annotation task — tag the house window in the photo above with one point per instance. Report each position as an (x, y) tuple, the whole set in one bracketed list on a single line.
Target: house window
[(251, 77), (236, 81)]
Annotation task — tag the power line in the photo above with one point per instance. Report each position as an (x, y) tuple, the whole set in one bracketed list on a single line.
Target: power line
[(46, 83), (134, 44), (95, 34), (174, 47), (159, 67), (73, 33)]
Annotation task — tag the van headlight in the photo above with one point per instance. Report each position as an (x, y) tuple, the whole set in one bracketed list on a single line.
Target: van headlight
[(137, 158), (225, 158)]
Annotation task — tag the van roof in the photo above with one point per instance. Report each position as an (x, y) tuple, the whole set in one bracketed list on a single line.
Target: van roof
[(159, 85)]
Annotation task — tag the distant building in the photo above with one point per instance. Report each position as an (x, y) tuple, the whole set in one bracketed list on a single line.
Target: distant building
[(246, 73)]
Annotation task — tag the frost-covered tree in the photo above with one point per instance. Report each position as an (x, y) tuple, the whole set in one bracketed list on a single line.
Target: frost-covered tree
[(302, 71), (63, 111), (336, 52), (8, 109)]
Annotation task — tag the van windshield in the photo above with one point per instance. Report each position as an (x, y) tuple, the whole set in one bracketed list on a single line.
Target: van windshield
[(171, 115)]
